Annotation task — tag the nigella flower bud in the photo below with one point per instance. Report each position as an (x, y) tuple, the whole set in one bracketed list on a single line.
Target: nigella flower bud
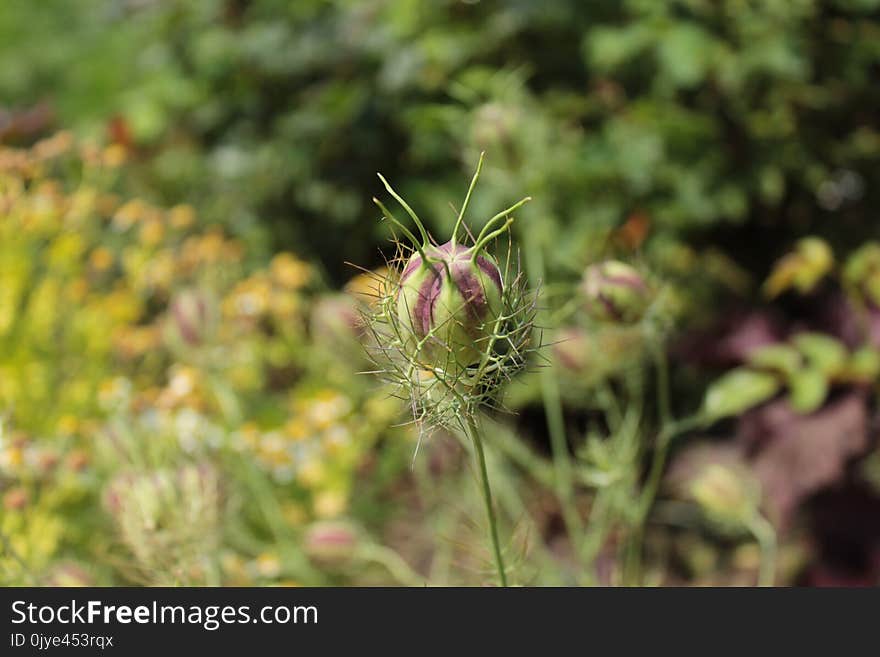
[(571, 350), (330, 542), (448, 299), (615, 292), (448, 328), (334, 319), (450, 332)]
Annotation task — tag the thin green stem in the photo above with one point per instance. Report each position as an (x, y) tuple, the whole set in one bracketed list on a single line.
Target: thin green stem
[(632, 567), (396, 566), (474, 435), (661, 363), (661, 452), (409, 210), (467, 199), (483, 241), (501, 215), (552, 400), (406, 231), (11, 551), (667, 433), (765, 535)]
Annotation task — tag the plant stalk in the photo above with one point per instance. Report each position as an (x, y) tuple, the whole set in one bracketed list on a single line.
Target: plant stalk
[(551, 399), (765, 535), (669, 429), (474, 435)]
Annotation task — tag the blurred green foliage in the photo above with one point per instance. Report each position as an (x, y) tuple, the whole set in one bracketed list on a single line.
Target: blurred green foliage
[(196, 408), (274, 114)]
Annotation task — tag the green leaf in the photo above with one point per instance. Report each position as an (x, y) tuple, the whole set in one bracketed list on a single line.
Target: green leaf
[(609, 48), (864, 365), (862, 272), (802, 269), (684, 53), (807, 390), (738, 391), (781, 358), (824, 353)]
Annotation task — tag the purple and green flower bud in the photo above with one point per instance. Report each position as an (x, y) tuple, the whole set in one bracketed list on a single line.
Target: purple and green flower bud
[(449, 297), (450, 326), (571, 349), (335, 319), (330, 542), (448, 300), (615, 292)]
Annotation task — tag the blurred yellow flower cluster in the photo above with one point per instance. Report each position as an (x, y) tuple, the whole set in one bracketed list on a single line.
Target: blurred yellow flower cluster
[(316, 448), (159, 386), (81, 270)]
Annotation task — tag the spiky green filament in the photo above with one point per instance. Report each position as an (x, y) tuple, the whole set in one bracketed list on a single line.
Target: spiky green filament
[(467, 199), (409, 211), (481, 238), (406, 231)]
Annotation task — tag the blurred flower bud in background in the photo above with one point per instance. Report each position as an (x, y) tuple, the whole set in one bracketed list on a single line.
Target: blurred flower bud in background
[(15, 499), (330, 542), (571, 349), (719, 480), (724, 493), (615, 292), (169, 521), (335, 321), (192, 319)]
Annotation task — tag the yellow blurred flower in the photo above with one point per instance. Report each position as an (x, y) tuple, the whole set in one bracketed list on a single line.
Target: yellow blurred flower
[(311, 473), (114, 155), (330, 503), (113, 392), (152, 232), (11, 458), (249, 298), (77, 289), (335, 438), (369, 287), (232, 564), (129, 214), (67, 425), (289, 271), (268, 565), (273, 450), (181, 216), (324, 407), (101, 259), (297, 429), (54, 146), (293, 513)]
